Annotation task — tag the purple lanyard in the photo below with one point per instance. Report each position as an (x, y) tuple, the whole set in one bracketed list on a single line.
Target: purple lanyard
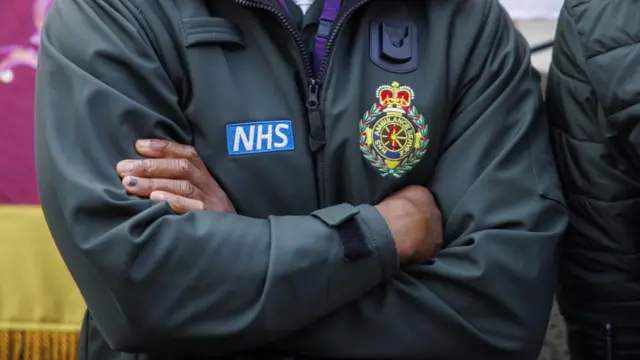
[(327, 18)]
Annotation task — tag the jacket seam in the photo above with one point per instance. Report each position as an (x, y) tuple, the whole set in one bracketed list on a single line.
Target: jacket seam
[(611, 50), (568, 9), (566, 133), (579, 4), (137, 12), (552, 67), (154, 44), (607, 114), (467, 85), (600, 201)]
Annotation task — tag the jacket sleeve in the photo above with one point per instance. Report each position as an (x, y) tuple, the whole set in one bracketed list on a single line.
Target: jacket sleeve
[(204, 283), (593, 111), (489, 292)]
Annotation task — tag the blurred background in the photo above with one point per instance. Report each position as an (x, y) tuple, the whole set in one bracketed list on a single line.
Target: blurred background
[(40, 307)]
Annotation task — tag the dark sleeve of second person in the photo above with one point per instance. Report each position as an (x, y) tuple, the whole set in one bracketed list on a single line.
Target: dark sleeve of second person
[(592, 103), (489, 293), (204, 283)]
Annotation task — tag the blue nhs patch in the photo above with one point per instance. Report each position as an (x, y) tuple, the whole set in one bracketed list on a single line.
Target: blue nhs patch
[(260, 137)]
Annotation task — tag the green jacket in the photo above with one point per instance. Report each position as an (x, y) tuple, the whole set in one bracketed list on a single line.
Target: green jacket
[(435, 93), (593, 92)]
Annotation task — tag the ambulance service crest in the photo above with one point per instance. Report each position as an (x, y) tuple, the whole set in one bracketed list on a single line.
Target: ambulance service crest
[(393, 134)]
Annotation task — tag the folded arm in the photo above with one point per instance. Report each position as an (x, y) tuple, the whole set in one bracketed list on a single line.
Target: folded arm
[(204, 283), (489, 292)]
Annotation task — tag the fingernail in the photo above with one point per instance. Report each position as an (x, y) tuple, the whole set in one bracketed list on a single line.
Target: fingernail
[(157, 196), (130, 181), (144, 143), (125, 166)]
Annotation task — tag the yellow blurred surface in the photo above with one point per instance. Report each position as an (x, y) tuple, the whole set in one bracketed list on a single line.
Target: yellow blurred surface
[(37, 292)]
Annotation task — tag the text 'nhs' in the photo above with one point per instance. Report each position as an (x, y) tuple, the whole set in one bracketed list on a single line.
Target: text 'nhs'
[(260, 137)]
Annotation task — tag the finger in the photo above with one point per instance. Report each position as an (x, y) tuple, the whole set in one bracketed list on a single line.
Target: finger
[(181, 169), (158, 148), (144, 187), (181, 205)]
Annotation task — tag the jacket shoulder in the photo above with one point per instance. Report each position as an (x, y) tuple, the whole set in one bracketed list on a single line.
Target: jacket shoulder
[(608, 35), (604, 26)]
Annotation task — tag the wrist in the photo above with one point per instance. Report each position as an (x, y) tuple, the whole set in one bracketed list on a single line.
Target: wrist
[(403, 250)]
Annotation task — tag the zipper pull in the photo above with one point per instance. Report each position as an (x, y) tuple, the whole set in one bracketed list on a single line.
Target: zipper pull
[(316, 126), (312, 99), (608, 337)]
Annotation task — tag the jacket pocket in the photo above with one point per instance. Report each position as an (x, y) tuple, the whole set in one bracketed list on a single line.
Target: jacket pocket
[(210, 30)]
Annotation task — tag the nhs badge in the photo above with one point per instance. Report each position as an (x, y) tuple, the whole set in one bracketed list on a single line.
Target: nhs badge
[(260, 137)]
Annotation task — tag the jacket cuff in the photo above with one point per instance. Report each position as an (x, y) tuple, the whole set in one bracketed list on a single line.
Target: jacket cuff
[(380, 239), (363, 233)]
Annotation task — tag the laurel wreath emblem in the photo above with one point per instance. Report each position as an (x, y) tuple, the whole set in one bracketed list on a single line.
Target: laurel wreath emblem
[(380, 163)]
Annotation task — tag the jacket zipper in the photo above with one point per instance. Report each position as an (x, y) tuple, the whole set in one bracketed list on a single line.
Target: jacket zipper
[(292, 31), (608, 338), (334, 35), (321, 74), (314, 109)]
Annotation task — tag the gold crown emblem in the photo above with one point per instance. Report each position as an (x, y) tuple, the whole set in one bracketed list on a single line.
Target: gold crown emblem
[(395, 95)]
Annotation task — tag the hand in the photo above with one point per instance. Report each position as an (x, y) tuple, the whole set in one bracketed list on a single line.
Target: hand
[(173, 173), (415, 223)]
